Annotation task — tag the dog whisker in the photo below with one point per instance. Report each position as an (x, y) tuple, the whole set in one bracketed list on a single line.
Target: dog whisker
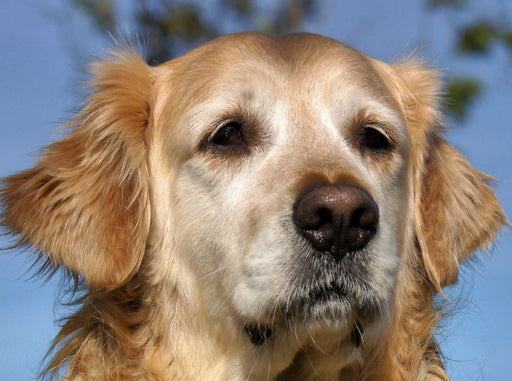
[(216, 271)]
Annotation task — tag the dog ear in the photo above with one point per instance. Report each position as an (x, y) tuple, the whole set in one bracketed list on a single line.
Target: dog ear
[(85, 205), (456, 209), (457, 212)]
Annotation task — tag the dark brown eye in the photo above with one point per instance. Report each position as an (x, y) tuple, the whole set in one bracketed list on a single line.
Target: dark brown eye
[(229, 135), (374, 140)]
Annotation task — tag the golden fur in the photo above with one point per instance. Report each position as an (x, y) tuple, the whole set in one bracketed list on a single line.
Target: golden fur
[(123, 204)]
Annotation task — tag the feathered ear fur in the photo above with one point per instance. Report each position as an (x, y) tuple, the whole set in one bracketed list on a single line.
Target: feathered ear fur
[(84, 205), (456, 210)]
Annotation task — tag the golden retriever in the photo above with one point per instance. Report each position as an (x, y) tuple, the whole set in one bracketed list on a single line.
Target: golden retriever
[(261, 208)]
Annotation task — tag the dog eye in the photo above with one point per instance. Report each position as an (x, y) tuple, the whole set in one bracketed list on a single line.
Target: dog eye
[(229, 135), (374, 140)]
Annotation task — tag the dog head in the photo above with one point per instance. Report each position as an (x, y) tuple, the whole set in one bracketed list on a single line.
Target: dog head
[(280, 183)]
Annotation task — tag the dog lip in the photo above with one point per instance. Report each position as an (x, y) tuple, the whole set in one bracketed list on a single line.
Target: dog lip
[(328, 300), (329, 291), (258, 334), (357, 335)]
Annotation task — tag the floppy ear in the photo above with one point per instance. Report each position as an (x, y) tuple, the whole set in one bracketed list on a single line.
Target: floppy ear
[(84, 205), (457, 212)]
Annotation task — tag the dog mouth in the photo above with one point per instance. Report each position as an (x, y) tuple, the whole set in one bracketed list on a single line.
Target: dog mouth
[(326, 304), (319, 295), (260, 335)]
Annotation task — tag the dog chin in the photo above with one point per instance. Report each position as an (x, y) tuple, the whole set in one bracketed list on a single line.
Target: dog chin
[(333, 291), (320, 312), (319, 293)]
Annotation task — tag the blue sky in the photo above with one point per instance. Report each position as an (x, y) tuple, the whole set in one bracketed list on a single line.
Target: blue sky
[(39, 87)]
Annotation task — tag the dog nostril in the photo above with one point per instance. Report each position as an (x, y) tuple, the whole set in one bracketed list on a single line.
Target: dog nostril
[(320, 218), (336, 218), (325, 216), (315, 222), (362, 226)]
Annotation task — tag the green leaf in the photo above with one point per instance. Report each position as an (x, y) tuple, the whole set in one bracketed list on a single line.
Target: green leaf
[(460, 94), (506, 38), (186, 21), (476, 38), (102, 12), (242, 8)]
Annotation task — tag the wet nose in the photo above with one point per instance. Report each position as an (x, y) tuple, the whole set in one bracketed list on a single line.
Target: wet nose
[(336, 218)]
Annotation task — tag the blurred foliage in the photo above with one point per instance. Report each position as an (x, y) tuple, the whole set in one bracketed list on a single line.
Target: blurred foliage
[(171, 27), (438, 3), (483, 35), (477, 37), (101, 12), (460, 94)]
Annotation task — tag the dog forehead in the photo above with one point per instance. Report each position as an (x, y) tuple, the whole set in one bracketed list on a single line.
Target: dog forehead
[(298, 59), (294, 49), (298, 74)]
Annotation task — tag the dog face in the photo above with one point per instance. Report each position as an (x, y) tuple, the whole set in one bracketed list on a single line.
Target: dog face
[(277, 191), (283, 184), (280, 146)]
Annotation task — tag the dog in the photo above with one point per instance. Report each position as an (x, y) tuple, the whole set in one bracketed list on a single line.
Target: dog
[(261, 208)]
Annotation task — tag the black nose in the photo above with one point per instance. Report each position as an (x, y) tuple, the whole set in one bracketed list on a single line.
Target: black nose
[(336, 218)]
